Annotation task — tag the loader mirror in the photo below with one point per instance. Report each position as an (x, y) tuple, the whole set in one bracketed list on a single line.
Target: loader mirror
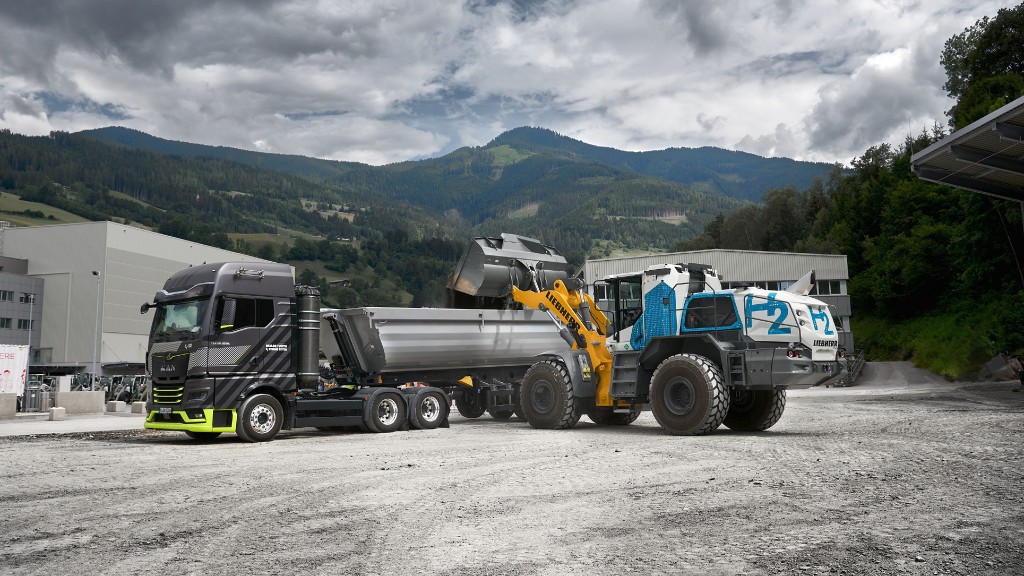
[(226, 316)]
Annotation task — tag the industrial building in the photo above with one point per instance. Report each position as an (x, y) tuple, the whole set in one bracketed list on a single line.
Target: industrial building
[(769, 270), (88, 281)]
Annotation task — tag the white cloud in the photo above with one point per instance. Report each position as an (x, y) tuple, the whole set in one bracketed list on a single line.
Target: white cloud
[(388, 80)]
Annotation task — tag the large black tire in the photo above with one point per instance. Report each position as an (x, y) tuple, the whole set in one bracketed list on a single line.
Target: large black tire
[(469, 405), (547, 397), (259, 418), (688, 395), (501, 414), (429, 410), (386, 413), (604, 416), (755, 410), (517, 403), (201, 436)]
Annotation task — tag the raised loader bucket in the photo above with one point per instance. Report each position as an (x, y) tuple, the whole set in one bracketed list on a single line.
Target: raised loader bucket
[(491, 266)]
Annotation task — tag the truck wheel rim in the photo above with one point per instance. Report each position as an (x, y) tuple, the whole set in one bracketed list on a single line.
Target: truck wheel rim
[(387, 412), (261, 419), (678, 395), (430, 408), (543, 397)]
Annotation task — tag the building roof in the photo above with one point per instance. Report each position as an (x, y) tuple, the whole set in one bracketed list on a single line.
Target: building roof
[(985, 157), (733, 265)]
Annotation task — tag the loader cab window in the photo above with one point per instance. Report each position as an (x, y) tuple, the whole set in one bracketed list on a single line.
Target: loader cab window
[(622, 301), (237, 313)]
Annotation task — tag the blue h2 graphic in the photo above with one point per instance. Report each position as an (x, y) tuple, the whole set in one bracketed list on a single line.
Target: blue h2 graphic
[(770, 307), (821, 315)]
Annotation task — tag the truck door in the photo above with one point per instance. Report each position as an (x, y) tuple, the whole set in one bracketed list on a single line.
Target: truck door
[(238, 329)]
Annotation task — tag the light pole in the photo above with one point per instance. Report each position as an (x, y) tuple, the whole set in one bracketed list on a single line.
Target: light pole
[(96, 329), (31, 309)]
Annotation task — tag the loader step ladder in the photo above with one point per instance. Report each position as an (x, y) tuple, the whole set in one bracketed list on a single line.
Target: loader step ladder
[(624, 374), (737, 369)]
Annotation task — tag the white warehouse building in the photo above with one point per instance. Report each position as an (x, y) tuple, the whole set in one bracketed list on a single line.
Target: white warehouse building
[(95, 276), (769, 270)]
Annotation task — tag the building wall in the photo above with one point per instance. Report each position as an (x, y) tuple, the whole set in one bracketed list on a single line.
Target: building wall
[(19, 308), (750, 267), (132, 264)]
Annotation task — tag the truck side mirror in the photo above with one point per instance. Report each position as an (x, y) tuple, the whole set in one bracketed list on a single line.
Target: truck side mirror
[(145, 307), (227, 315)]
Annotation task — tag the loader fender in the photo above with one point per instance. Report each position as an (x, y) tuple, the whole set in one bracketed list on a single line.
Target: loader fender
[(581, 370)]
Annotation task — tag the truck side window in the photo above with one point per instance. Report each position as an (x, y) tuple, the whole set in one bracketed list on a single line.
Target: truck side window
[(248, 312)]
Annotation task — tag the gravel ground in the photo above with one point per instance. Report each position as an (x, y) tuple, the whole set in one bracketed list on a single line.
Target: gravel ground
[(906, 477)]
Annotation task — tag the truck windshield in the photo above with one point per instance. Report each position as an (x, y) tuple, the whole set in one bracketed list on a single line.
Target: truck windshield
[(179, 318)]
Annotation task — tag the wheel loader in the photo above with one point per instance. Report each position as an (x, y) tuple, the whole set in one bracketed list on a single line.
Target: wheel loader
[(670, 340)]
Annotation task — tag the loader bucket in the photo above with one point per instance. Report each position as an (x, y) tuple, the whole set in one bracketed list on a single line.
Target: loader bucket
[(491, 266)]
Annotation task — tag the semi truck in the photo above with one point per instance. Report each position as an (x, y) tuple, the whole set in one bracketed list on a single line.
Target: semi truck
[(237, 347)]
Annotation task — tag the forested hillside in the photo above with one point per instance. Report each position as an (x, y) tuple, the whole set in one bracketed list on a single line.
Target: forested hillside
[(936, 272)]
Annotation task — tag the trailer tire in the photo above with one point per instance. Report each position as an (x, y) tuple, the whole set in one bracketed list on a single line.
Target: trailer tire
[(259, 418), (202, 436), (517, 404), (754, 410), (469, 404), (605, 416), (547, 398), (688, 395), (387, 413), (429, 410), (500, 414)]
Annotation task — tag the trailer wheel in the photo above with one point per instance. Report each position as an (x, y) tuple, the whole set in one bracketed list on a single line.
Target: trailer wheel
[(469, 405), (547, 398), (428, 410), (688, 395), (755, 410), (387, 413), (604, 416), (517, 403), (259, 418), (202, 436)]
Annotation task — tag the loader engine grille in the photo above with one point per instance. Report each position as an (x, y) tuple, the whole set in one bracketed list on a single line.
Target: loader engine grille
[(167, 394)]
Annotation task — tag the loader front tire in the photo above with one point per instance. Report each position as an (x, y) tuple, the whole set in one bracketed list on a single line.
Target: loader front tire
[(755, 410), (547, 398), (688, 395)]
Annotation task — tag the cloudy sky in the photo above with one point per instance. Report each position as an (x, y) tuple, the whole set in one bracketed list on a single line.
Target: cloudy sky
[(381, 81)]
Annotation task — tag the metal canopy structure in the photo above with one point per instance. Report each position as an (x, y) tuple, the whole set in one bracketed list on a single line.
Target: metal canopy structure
[(986, 156)]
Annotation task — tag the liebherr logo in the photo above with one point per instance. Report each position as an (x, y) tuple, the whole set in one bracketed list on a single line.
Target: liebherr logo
[(826, 343), (558, 306)]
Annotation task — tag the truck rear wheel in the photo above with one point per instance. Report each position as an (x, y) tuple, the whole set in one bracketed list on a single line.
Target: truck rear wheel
[(469, 405), (428, 410), (547, 398), (755, 410), (688, 395), (387, 413), (605, 416), (259, 418)]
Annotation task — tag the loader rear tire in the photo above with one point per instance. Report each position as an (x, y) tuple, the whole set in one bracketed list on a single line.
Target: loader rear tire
[(688, 395), (547, 397), (754, 410), (604, 416)]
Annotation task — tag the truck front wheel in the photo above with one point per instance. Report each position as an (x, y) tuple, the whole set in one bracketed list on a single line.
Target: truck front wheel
[(259, 418), (688, 395), (755, 410), (546, 396)]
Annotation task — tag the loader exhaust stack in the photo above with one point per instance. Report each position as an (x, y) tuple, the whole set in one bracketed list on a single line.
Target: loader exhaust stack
[(490, 268)]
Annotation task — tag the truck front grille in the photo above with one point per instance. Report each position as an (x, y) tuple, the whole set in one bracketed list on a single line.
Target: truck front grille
[(164, 394)]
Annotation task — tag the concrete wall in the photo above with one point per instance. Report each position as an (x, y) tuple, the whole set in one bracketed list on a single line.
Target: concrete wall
[(82, 402), (8, 405)]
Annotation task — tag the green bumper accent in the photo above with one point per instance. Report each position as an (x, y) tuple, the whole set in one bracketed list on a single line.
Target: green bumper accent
[(204, 424)]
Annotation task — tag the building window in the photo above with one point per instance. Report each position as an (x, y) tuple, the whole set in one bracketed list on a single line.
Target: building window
[(826, 288), (6, 296), (24, 324), (27, 298), (5, 323)]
